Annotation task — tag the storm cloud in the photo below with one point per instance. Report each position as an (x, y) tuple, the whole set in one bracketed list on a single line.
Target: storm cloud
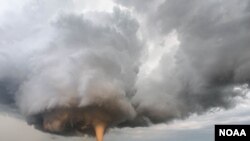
[(55, 57)]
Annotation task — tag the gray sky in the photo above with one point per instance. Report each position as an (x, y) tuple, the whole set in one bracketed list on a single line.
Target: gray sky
[(179, 65)]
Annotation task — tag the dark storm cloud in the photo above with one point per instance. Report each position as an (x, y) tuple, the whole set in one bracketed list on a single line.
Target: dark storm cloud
[(76, 60), (96, 59), (213, 57)]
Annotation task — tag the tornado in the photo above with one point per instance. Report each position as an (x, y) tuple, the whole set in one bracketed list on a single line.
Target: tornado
[(99, 130)]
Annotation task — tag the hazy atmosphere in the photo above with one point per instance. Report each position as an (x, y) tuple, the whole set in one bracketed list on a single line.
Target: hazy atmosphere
[(139, 70)]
